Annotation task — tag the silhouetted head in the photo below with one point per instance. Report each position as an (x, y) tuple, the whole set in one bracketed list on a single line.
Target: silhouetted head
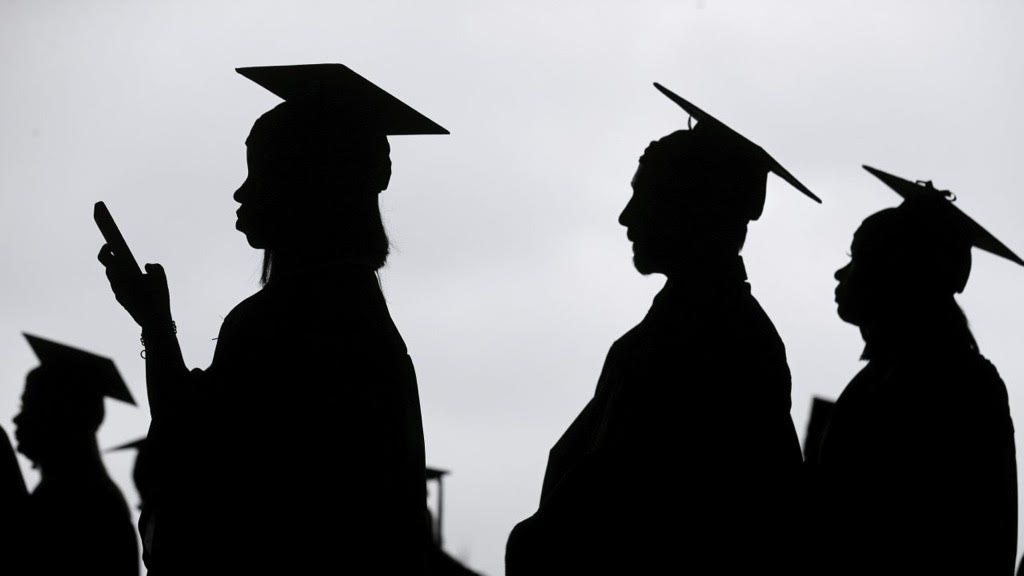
[(317, 163), (56, 413), (906, 264), (313, 186), (694, 193), (62, 405), (692, 199), (904, 260)]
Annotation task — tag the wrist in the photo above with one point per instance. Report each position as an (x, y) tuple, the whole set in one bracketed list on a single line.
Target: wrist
[(155, 330)]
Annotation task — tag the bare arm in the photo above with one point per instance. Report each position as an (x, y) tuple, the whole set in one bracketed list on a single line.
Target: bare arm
[(147, 299), (165, 368)]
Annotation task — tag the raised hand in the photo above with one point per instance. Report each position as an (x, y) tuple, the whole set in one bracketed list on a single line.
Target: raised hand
[(144, 296)]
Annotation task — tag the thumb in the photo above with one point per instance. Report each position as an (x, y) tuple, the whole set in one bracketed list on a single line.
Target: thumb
[(156, 271)]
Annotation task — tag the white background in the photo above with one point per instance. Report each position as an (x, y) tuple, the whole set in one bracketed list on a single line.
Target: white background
[(510, 277)]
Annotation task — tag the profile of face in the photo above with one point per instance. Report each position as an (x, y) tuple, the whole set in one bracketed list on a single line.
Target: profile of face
[(302, 185), (856, 288), (50, 420), (657, 223), (903, 262), (880, 279), (30, 430), (260, 199), (37, 429)]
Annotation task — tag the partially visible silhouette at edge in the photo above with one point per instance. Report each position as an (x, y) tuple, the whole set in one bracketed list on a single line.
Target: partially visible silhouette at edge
[(76, 520)]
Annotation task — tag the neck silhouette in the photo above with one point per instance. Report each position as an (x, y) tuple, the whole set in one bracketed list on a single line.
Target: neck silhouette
[(917, 328), (722, 269), (77, 458)]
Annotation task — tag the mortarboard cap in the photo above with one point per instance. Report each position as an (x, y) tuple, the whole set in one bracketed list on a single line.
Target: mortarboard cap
[(137, 444), (436, 473), (339, 90), (93, 373), (821, 412), (710, 124), (919, 190)]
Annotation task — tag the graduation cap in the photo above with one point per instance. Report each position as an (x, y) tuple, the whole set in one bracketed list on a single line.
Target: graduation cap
[(821, 412), (141, 473), (926, 191), (94, 374), (137, 444), (755, 156), (335, 88), (437, 475)]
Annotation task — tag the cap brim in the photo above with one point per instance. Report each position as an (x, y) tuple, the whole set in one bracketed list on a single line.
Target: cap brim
[(336, 85), (980, 238), (708, 119), (136, 444), (436, 473), (98, 373)]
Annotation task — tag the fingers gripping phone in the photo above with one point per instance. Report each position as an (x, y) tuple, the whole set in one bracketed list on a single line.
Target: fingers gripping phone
[(105, 222)]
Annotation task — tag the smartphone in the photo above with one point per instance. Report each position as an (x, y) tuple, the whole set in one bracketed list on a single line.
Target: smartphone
[(105, 222)]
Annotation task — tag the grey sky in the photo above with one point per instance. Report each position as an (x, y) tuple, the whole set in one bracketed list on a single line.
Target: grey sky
[(510, 276)]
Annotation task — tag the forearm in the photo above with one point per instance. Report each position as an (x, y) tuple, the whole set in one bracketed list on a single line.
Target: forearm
[(165, 368)]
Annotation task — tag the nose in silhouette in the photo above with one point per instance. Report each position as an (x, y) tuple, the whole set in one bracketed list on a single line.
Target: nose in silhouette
[(841, 273)]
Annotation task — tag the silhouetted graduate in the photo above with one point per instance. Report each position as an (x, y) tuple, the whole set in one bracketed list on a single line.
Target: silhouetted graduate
[(684, 459), (76, 520), (917, 465), (300, 449)]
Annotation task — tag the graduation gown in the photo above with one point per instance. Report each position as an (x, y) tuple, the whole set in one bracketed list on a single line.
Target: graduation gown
[(13, 500), (300, 449), (918, 469), (686, 455), (78, 523)]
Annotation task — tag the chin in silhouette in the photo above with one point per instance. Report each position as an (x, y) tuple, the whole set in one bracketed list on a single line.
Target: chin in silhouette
[(673, 231), (311, 196), (57, 424), (906, 264)]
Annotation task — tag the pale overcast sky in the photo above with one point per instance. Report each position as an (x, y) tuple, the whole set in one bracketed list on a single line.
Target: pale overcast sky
[(510, 276)]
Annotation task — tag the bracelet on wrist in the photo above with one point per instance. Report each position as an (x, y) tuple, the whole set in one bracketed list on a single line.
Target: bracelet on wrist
[(151, 332)]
